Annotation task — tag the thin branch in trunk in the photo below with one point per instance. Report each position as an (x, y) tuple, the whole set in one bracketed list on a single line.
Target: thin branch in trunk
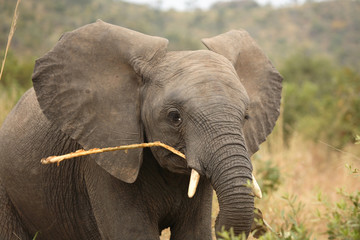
[(82, 152)]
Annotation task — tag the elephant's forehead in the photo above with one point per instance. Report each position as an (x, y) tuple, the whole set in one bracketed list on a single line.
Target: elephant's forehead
[(204, 72), (198, 61), (206, 90), (190, 67), (197, 76)]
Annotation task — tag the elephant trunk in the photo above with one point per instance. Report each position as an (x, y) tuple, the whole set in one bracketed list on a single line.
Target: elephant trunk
[(230, 172)]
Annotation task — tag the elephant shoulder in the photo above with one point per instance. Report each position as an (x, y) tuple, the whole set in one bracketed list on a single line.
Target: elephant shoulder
[(25, 117), (25, 131)]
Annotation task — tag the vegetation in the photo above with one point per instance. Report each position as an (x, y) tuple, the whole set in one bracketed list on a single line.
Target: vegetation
[(311, 152), (344, 217), (318, 99), (328, 28), (15, 81)]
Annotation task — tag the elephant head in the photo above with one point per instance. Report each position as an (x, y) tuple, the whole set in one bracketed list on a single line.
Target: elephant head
[(105, 85)]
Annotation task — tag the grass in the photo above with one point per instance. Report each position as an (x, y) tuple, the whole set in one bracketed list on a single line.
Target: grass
[(308, 170)]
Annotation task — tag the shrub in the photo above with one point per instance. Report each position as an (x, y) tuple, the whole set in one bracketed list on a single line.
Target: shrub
[(320, 100), (229, 235), (269, 177), (17, 74), (293, 227), (343, 217)]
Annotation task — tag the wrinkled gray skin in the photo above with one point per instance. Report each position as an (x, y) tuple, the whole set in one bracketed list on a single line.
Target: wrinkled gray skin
[(103, 85)]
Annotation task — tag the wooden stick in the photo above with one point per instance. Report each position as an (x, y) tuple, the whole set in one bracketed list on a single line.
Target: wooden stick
[(82, 152), (10, 36)]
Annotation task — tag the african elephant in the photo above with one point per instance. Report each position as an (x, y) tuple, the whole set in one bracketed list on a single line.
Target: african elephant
[(103, 85)]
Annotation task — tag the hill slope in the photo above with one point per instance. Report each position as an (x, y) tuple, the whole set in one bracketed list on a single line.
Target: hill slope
[(330, 28)]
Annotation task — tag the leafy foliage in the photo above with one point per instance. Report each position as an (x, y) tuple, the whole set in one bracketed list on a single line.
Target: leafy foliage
[(357, 139), (352, 169), (344, 217), (8, 98), (230, 235), (269, 176), (318, 100), (15, 81), (17, 73), (327, 28), (293, 227)]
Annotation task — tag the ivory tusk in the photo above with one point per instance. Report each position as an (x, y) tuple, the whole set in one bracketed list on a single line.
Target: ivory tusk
[(256, 188), (194, 180)]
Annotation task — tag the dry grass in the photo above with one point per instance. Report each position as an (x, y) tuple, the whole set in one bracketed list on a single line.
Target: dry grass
[(308, 170)]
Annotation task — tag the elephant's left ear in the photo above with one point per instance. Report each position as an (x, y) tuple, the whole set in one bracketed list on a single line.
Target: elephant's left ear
[(89, 86), (260, 79)]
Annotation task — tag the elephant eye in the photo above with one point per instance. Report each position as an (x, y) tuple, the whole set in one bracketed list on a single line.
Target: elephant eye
[(247, 116), (174, 117)]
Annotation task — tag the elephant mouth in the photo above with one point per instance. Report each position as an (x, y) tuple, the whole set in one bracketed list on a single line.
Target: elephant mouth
[(174, 163)]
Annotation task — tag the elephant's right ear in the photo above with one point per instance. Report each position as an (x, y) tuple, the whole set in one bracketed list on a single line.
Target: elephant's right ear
[(261, 80), (89, 86)]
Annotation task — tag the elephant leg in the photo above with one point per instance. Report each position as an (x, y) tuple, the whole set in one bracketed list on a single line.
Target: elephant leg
[(118, 207), (10, 224), (195, 220)]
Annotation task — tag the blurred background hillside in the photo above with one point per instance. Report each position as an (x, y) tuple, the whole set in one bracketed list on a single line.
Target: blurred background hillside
[(314, 45)]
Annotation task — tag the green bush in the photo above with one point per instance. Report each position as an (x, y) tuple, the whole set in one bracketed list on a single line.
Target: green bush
[(269, 177), (344, 217), (229, 235), (320, 100), (8, 98), (357, 139), (17, 73), (16, 79), (344, 107), (293, 227)]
